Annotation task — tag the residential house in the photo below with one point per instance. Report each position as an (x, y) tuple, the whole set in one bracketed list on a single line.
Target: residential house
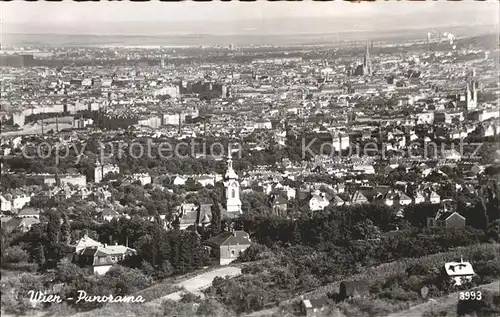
[(279, 205), (81, 244), (434, 198), (339, 188), (314, 307), (74, 179), (19, 201), (337, 201), (227, 246), (144, 178), (205, 180), (82, 193), (445, 218), (404, 200), (204, 215), (318, 201), (418, 198), (102, 194), (459, 272), (63, 193), (179, 180), (29, 213), (357, 198), (19, 223), (194, 215), (186, 215), (102, 258), (288, 192), (5, 204)]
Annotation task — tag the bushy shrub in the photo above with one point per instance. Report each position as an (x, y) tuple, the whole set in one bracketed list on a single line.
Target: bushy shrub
[(417, 269), (211, 308), (488, 269), (189, 297), (14, 254), (399, 294), (254, 253), (125, 281)]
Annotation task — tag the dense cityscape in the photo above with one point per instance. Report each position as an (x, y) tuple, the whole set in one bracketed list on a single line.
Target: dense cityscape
[(354, 178)]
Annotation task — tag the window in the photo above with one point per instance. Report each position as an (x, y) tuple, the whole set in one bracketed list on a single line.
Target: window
[(233, 193)]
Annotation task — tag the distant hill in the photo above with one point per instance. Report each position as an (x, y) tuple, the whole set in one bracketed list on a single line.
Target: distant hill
[(238, 39)]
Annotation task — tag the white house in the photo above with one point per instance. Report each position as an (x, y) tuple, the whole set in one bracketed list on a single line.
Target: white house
[(205, 180), (460, 272), (5, 204), (318, 201), (418, 198), (19, 202), (29, 213), (144, 178), (434, 198), (404, 200), (179, 180)]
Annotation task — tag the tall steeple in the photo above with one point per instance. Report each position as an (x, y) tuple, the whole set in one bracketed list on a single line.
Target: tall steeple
[(367, 63), (233, 202), (471, 93)]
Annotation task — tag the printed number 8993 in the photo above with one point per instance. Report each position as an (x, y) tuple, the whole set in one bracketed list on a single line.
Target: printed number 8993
[(473, 295)]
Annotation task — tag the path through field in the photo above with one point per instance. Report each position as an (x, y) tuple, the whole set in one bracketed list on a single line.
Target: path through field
[(198, 283)]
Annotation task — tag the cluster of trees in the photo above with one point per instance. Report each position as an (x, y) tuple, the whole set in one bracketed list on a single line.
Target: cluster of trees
[(163, 253), (274, 274), (65, 280), (294, 256)]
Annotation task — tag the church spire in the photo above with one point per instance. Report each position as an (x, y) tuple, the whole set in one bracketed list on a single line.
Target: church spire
[(230, 173), (233, 202), (367, 64)]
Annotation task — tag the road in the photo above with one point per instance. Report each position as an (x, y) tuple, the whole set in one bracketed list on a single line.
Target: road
[(198, 283), (446, 301)]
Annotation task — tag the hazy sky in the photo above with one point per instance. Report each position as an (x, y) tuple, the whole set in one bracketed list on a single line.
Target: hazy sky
[(87, 17)]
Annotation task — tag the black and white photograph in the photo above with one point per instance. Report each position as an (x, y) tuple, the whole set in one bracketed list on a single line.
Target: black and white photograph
[(250, 159)]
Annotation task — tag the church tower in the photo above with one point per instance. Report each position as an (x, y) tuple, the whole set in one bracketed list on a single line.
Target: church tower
[(232, 186), (471, 93), (367, 63), (97, 171)]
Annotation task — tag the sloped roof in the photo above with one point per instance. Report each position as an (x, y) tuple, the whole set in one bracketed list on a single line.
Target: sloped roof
[(448, 214), (403, 196), (358, 197), (229, 238), (459, 268), (86, 241), (21, 222), (336, 199), (29, 212), (204, 214)]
